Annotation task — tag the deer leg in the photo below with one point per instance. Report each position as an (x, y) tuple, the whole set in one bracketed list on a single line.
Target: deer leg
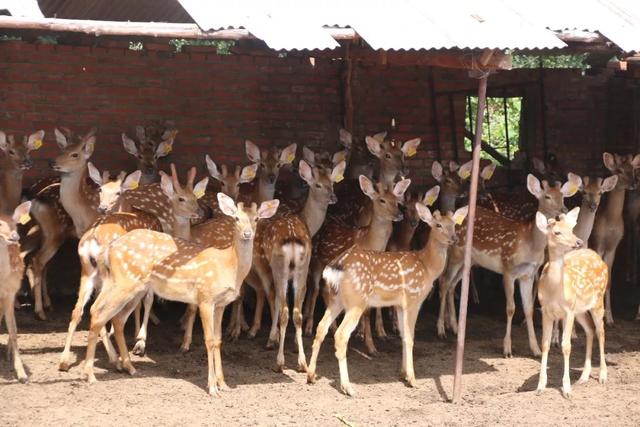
[(190, 317), (316, 275), (508, 283), (332, 311), (12, 330), (37, 270), (280, 284), (451, 308), (410, 318), (585, 322), (118, 323), (136, 319), (341, 338), (597, 316), (206, 316), (566, 353), (526, 294), (300, 290), (609, 258), (46, 300), (638, 314), (235, 325), (218, 312), (474, 290), (443, 287), (380, 332), (368, 336), (547, 326), (141, 337), (330, 299), (257, 317)]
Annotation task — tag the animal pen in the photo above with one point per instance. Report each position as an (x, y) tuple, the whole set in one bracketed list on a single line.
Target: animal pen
[(278, 75)]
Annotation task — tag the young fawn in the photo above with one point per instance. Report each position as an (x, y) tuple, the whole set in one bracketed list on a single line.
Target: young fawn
[(144, 262), (571, 287), (11, 272), (362, 278)]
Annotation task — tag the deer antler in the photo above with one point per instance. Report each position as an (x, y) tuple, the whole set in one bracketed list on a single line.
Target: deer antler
[(174, 177), (191, 177)]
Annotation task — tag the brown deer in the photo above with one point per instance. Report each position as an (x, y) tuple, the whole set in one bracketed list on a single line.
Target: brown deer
[(11, 272), (144, 262), (15, 161), (452, 183), (571, 287), (229, 181), (512, 248), (148, 150), (608, 228), (363, 278), (270, 161)]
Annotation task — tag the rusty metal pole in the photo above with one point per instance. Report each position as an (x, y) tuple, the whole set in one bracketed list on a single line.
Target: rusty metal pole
[(471, 216)]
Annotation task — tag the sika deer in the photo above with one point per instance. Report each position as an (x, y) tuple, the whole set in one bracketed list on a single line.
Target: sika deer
[(230, 181), (148, 150), (608, 228), (452, 181), (144, 262), (572, 286), (270, 161), (11, 272), (512, 248), (15, 161), (362, 278)]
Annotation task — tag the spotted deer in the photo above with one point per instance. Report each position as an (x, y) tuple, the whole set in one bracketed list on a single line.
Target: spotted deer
[(608, 228), (512, 248), (571, 287), (144, 262), (270, 161), (452, 182), (11, 272), (229, 181), (15, 161), (361, 278), (150, 147)]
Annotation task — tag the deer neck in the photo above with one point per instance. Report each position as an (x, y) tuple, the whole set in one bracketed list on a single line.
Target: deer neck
[(181, 228), (434, 255), (148, 178), (123, 206), (74, 198), (387, 175), (264, 191), (377, 235), (403, 234), (5, 262), (10, 188), (584, 226), (536, 239), (615, 204), (448, 201), (314, 212), (244, 253), (555, 268)]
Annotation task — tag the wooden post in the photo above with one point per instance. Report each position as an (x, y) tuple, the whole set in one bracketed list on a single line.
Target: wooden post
[(471, 216), (348, 96)]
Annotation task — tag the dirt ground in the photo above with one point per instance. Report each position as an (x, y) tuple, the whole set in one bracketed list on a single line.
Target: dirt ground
[(168, 388)]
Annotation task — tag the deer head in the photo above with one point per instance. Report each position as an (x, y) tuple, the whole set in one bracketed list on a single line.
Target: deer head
[(149, 149), (551, 197), (247, 216), (184, 200), (74, 151), (592, 190), (625, 167), (230, 181), (385, 202), (410, 212), (320, 181), (323, 158), (392, 156), (111, 190), (270, 160), (8, 225), (559, 231), (18, 153), (452, 180), (443, 227)]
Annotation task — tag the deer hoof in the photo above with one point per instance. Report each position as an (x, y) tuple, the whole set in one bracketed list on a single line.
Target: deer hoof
[(64, 366), (311, 377), (279, 368), (302, 367), (348, 389), (140, 348), (40, 315)]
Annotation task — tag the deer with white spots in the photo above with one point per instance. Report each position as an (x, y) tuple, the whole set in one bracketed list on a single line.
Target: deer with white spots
[(144, 262), (11, 272), (571, 287), (152, 144), (270, 161), (362, 278), (608, 228), (512, 248), (452, 183), (335, 237), (14, 162)]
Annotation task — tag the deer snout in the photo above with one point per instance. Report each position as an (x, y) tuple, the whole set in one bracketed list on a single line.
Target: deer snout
[(271, 178), (102, 209), (14, 237), (564, 210), (247, 235), (579, 243), (455, 239), (26, 164), (593, 206), (398, 217), (199, 213), (413, 223), (333, 199), (52, 164)]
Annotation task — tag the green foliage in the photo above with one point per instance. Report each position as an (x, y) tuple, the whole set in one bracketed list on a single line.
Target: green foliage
[(223, 47), (494, 130), (550, 61), (136, 46)]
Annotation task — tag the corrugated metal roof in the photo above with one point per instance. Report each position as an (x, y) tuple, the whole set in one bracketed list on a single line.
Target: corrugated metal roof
[(116, 10)]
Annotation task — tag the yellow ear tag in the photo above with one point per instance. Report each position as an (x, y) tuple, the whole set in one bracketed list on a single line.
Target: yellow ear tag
[(198, 193), (487, 173), (290, 158), (430, 199), (339, 178), (24, 219), (411, 151), (174, 133), (250, 173), (573, 188), (458, 219), (37, 144), (169, 148), (465, 173), (133, 186)]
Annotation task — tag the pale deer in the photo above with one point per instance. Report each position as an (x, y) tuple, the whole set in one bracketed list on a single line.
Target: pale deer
[(144, 262), (363, 278), (148, 150), (11, 272), (512, 248), (335, 237), (571, 287), (608, 228), (15, 161)]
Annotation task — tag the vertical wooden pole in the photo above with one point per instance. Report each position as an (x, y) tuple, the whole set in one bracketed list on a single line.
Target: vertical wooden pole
[(471, 216), (434, 114), (348, 96)]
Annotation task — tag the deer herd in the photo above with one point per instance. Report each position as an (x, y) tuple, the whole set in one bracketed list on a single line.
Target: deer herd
[(346, 226)]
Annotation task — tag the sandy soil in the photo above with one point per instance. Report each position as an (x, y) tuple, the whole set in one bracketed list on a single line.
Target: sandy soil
[(169, 387)]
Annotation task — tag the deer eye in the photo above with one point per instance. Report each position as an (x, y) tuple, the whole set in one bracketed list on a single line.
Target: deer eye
[(557, 233), (12, 152), (118, 193), (318, 186), (388, 155), (181, 199), (74, 155), (547, 197), (383, 201), (439, 225)]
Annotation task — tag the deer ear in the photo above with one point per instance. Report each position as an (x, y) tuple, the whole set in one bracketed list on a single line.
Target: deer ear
[(533, 185), (21, 213), (465, 170), (436, 171), (132, 181), (431, 196), (487, 171), (308, 155), (337, 174), (609, 162), (572, 217), (380, 136), (248, 173), (635, 162), (346, 139), (166, 185), (374, 146), (305, 172), (94, 174), (61, 139), (542, 223), (572, 186), (89, 146), (268, 209), (538, 165), (400, 188), (460, 214), (164, 148), (3, 141), (200, 188), (129, 145), (213, 168), (34, 141), (140, 133), (340, 156), (288, 155), (410, 147), (227, 205), (424, 213), (367, 186), (252, 150), (609, 183)]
